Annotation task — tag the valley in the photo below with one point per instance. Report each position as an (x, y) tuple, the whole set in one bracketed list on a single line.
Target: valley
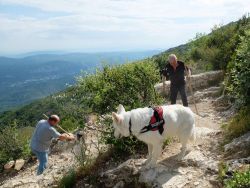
[(28, 78)]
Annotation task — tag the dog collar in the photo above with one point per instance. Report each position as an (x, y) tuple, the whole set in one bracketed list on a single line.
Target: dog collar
[(130, 125)]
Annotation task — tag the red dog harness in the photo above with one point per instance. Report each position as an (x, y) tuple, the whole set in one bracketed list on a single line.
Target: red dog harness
[(156, 122)]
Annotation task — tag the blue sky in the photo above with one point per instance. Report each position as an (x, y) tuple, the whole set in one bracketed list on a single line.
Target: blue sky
[(109, 25)]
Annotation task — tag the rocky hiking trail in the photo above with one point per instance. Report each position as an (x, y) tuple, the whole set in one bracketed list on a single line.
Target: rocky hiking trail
[(199, 168)]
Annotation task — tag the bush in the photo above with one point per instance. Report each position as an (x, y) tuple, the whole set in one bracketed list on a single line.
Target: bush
[(239, 73), (12, 145), (239, 180), (130, 84), (239, 124), (68, 180), (69, 124)]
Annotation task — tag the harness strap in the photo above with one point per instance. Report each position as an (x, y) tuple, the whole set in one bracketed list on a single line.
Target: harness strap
[(130, 125), (158, 125)]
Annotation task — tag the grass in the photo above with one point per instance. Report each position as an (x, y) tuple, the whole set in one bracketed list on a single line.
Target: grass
[(239, 124), (68, 180), (167, 142), (223, 168), (240, 179)]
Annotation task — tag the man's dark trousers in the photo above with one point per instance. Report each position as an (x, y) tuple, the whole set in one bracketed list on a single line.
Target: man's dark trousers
[(174, 91)]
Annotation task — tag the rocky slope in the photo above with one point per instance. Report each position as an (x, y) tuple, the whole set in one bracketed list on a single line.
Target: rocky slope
[(198, 169), (61, 159)]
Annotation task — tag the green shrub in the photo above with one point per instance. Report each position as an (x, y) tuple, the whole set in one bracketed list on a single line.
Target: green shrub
[(14, 143), (69, 124), (24, 135), (239, 73), (239, 124), (239, 180), (222, 170), (68, 180), (130, 84)]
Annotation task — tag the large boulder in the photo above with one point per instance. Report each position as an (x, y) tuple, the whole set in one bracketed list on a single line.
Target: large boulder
[(239, 146)]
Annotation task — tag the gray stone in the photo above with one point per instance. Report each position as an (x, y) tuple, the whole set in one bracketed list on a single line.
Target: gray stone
[(148, 176), (120, 184), (194, 158), (241, 143), (236, 164), (19, 164), (9, 165)]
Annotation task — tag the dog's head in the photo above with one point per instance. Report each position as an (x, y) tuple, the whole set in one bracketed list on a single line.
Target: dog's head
[(119, 124)]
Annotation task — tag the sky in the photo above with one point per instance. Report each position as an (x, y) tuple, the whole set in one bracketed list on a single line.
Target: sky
[(109, 25)]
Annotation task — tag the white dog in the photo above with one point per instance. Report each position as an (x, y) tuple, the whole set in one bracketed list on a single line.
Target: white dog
[(178, 121)]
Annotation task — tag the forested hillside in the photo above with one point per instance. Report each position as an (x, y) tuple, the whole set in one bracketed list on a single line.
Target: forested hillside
[(32, 77), (226, 47)]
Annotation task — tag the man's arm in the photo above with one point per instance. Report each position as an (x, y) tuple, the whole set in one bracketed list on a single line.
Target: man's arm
[(66, 136)]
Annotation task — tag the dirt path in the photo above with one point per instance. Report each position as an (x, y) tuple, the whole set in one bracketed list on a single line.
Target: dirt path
[(200, 166)]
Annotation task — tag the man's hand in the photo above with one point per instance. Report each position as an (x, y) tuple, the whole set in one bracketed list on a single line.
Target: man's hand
[(67, 136)]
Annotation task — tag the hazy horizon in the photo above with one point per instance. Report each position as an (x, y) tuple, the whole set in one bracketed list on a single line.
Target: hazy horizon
[(64, 52)]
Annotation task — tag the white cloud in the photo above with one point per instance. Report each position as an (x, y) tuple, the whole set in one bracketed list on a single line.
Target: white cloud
[(114, 24)]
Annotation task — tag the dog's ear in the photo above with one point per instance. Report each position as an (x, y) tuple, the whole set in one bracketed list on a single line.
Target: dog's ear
[(120, 109), (116, 117)]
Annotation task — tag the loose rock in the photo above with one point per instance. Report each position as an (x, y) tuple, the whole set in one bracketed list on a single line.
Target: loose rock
[(19, 164), (9, 165)]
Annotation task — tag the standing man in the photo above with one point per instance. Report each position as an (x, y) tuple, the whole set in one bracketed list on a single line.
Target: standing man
[(41, 140), (175, 71)]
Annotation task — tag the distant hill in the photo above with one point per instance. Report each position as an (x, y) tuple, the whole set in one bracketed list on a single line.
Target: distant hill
[(28, 78)]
